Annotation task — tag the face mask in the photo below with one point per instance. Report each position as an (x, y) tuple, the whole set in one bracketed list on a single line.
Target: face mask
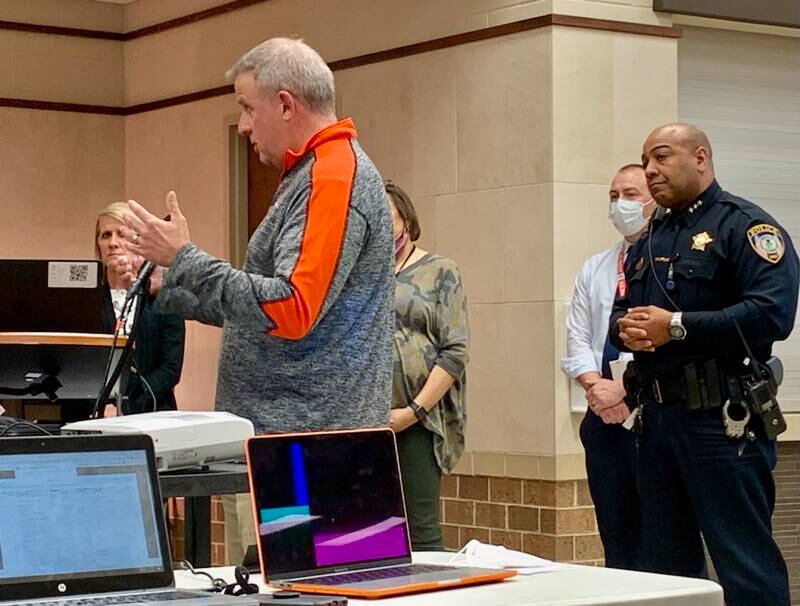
[(400, 242), (627, 216)]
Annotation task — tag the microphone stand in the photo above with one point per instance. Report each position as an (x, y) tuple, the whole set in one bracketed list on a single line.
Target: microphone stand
[(139, 287)]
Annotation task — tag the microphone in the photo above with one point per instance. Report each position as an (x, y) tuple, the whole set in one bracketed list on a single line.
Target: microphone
[(145, 271)]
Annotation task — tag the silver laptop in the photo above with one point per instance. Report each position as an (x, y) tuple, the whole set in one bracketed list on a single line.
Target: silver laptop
[(81, 522)]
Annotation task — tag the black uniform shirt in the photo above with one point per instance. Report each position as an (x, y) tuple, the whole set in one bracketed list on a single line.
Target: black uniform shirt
[(721, 257)]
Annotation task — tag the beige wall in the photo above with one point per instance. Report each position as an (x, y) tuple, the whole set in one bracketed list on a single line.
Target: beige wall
[(610, 91), (467, 132), (85, 14), (507, 146), (58, 170), (196, 56)]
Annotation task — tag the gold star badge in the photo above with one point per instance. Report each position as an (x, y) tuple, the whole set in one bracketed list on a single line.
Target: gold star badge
[(701, 240)]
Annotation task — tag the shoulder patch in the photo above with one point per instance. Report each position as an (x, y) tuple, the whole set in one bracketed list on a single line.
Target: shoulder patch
[(767, 241)]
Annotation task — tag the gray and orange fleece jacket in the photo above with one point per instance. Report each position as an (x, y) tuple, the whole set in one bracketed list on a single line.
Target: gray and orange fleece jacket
[(307, 324)]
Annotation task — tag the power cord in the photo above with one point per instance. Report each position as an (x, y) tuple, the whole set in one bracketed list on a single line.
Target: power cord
[(218, 585), (242, 586), (135, 370)]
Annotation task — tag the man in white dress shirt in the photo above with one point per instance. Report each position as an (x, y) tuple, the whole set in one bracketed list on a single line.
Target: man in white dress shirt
[(609, 447)]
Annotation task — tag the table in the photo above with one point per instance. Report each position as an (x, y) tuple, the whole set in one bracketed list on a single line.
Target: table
[(578, 586), (196, 486)]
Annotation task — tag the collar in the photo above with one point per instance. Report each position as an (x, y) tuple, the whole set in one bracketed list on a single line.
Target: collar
[(343, 129), (692, 215)]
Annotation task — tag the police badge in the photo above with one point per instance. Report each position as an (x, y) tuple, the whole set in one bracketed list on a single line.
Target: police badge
[(701, 240), (767, 241)]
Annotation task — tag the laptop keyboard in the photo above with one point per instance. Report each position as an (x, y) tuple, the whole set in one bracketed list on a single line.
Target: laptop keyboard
[(378, 574), (137, 598)]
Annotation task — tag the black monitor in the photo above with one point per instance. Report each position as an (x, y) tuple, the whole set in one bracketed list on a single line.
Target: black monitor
[(77, 362), (57, 305), (51, 296)]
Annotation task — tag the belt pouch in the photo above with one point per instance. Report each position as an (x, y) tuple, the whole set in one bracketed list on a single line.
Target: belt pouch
[(694, 396), (713, 390)]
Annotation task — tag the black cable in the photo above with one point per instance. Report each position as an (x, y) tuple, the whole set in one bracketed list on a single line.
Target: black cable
[(135, 370), (11, 426), (653, 266), (108, 382), (98, 401), (217, 583)]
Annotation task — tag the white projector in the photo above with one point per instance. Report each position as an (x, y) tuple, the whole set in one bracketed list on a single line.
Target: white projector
[(182, 438)]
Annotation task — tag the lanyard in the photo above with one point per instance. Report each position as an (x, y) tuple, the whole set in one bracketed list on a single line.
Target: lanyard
[(622, 285)]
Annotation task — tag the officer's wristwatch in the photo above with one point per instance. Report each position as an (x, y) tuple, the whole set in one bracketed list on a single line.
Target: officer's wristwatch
[(677, 331), (419, 411)]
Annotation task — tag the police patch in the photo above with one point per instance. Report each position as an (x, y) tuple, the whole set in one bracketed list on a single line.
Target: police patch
[(767, 241)]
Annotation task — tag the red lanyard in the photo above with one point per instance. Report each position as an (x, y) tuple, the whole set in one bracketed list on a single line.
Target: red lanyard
[(622, 285)]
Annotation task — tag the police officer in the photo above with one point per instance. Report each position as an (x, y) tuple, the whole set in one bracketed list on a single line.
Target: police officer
[(712, 264)]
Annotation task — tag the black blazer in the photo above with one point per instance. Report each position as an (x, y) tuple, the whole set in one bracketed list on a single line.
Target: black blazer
[(158, 355)]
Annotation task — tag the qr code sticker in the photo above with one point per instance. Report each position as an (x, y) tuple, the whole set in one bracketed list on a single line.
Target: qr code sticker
[(78, 273)]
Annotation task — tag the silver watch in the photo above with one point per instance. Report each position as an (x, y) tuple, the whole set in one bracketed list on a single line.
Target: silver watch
[(677, 331)]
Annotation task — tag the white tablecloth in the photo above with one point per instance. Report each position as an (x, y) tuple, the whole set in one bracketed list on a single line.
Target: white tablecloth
[(579, 586)]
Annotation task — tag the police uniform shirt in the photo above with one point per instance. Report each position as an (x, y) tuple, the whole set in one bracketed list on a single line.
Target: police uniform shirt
[(721, 258)]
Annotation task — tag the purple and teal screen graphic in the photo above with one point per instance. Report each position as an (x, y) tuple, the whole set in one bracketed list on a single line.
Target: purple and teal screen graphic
[(328, 500), (385, 539)]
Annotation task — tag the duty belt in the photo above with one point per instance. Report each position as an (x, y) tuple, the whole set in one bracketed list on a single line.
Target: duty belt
[(667, 390), (701, 385)]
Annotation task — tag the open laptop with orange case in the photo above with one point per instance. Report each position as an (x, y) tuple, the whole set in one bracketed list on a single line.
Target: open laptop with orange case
[(330, 517)]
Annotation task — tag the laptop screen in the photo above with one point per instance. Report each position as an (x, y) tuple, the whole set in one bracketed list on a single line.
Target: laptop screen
[(80, 515), (327, 501)]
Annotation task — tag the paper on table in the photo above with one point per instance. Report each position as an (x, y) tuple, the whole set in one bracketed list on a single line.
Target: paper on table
[(481, 555)]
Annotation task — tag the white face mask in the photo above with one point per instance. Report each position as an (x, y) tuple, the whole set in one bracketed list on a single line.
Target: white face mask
[(627, 215)]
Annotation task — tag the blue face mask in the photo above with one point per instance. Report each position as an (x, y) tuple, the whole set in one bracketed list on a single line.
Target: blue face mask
[(627, 215)]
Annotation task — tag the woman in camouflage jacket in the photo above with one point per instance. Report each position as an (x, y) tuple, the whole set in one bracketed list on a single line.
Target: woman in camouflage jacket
[(430, 356)]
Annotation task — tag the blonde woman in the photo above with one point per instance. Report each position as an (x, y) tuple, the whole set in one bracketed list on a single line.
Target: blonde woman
[(158, 356)]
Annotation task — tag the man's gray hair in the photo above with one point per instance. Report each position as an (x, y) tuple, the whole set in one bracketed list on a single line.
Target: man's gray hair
[(291, 65)]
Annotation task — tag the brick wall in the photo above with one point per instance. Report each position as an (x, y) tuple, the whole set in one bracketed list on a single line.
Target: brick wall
[(175, 518), (786, 520), (553, 520)]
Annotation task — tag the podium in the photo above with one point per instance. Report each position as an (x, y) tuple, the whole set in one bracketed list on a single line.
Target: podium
[(77, 360)]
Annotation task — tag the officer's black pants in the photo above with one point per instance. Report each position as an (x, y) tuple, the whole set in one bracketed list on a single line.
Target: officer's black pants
[(692, 479), (611, 468)]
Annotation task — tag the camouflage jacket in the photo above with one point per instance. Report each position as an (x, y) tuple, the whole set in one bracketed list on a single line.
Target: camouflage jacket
[(431, 329)]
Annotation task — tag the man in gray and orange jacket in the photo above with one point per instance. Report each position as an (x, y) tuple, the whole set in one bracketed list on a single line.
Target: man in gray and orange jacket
[(308, 320)]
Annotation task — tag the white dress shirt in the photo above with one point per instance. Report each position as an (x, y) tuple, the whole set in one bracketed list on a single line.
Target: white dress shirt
[(589, 312)]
